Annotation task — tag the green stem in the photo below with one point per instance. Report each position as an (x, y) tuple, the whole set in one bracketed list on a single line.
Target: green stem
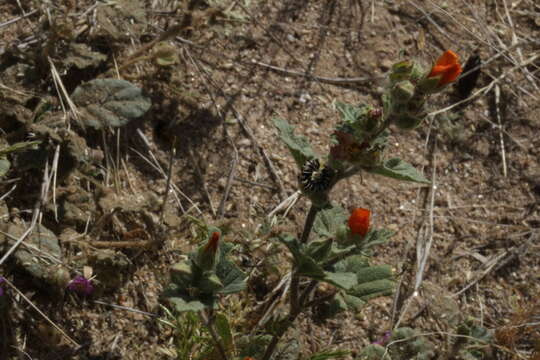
[(275, 339), (296, 304), (308, 225), (209, 322)]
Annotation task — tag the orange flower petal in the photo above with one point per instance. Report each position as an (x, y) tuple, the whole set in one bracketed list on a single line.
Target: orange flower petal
[(448, 58), (359, 221), (447, 67), (212, 244), (451, 74)]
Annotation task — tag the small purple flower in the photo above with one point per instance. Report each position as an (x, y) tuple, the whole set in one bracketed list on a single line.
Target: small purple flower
[(382, 341), (1, 288), (81, 285)]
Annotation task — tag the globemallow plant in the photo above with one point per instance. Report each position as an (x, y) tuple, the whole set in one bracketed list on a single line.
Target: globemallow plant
[(335, 246)]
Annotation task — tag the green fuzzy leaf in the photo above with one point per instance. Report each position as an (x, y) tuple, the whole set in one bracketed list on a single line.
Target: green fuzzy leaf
[(373, 273), (253, 346), (232, 278), (20, 146), (375, 237), (182, 274), (109, 102), (4, 166), (209, 284), (387, 105), (341, 279), (342, 302), (305, 264), (320, 249), (299, 146), (350, 113), (223, 329), (327, 355), (329, 221), (352, 301), (188, 299), (353, 263), (398, 169), (181, 304), (372, 281), (294, 246), (374, 352), (309, 267), (372, 289)]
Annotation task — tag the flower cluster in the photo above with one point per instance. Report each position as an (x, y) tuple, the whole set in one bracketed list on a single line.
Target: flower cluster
[(81, 285), (384, 340), (411, 85)]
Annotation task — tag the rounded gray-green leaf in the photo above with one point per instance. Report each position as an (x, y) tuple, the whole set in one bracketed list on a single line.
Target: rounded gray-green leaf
[(4, 166), (109, 102)]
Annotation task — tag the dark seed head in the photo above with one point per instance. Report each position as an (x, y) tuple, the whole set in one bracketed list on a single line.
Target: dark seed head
[(315, 179)]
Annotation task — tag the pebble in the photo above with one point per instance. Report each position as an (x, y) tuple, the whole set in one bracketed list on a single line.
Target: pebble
[(386, 64)]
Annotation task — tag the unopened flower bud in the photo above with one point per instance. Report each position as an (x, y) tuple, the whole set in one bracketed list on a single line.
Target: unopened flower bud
[(206, 257), (359, 221), (374, 117), (402, 92), (401, 71)]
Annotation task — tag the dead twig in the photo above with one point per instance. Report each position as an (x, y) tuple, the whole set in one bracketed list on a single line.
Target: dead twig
[(169, 177), (62, 332), (499, 261), (501, 137), (200, 175), (328, 80), (12, 21)]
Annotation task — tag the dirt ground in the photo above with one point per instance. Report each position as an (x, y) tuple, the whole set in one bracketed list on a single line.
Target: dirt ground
[(236, 66)]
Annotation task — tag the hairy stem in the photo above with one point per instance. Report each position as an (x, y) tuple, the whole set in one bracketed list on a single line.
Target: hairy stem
[(296, 304), (209, 322), (310, 219)]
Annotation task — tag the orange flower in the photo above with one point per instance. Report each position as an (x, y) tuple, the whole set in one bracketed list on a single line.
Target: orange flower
[(447, 67), (359, 221), (212, 245)]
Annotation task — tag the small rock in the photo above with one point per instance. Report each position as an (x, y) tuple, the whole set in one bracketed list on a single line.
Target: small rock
[(244, 143), (385, 65)]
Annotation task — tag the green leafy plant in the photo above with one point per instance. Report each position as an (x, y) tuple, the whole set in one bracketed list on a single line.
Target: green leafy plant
[(110, 102), (335, 247), (5, 164), (403, 344)]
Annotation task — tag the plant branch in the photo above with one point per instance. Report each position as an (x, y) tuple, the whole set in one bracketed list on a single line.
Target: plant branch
[(296, 302), (310, 219), (209, 322)]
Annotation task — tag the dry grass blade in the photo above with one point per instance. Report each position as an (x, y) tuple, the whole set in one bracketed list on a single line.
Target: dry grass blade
[(12, 21), (62, 332), (62, 94), (500, 260), (36, 215), (500, 128)]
